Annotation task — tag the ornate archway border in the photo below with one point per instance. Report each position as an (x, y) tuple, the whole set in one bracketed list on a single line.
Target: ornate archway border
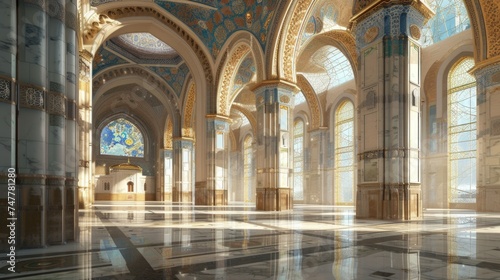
[(312, 102)]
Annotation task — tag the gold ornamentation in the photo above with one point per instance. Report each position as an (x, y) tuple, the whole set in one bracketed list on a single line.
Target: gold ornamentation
[(187, 126), (312, 101), (371, 34), (291, 43), (168, 137), (284, 99), (491, 11), (56, 104), (415, 32), (228, 75)]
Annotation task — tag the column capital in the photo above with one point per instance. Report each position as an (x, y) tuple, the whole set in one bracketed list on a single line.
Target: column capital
[(182, 139), (485, 67), (365, 8), (85, 54), (218, 118), (276, 84)]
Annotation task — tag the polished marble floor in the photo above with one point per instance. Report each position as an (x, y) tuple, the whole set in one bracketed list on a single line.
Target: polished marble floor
[(128, 240)]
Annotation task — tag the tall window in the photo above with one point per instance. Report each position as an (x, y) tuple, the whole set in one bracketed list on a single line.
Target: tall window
[(248, 167), (298, 160), (344, 154), (462, 133), (122, 138)]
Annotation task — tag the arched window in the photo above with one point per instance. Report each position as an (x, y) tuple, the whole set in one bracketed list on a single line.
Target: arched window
[(248, 168), (451, 18), (344, 154), (462, 133), (122, 138), (298, 160)]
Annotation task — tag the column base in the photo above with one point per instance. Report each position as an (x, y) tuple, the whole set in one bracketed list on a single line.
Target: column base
[(402, 202), (209, 197), (273, 199), (488, 198), (178, 196)]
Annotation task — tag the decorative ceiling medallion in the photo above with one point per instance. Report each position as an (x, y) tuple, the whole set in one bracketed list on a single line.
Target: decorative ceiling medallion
[(415, 32), (284, 99), (371, 34)]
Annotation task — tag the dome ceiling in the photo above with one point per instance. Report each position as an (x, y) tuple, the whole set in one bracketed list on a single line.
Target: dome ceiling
[(215, 21), (145, 45)]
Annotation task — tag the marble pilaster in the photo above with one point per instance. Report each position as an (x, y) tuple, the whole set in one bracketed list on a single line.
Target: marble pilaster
[(488, 137), (315, 186), (85, 182), (32, 122), (56, 110), (389, 184), (72, 134), (274, 155), (217, 140), (183, 170), (168, 174)]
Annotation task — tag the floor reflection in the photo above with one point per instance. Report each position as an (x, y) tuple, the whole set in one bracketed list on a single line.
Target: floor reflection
[(157, 241)]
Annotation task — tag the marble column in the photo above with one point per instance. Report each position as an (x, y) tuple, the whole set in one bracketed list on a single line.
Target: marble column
[(85, 183), (32, 122), (168, 174), (183, 159), (7, 107), (389, 184), (70, 51), (217, 144), (56, 110), (274, 156), (315, 190), (488, 136)]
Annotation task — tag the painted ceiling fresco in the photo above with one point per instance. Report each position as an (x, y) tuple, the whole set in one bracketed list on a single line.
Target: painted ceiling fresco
[(104, 59), (245, 73), (214, 26), (174, 76)]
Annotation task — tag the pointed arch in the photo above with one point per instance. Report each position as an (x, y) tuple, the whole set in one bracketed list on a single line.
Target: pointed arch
[(118, 76), (188, 111), (312, 101), (248, 115)]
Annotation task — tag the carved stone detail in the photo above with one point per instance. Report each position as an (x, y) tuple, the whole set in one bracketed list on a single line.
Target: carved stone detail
[(229, 72), (31, 97), (5, 91), (187, 126), (312, 101), (371, 34), (56, 104), (415, 32), (491, 10), (291, 42), (168, 137)]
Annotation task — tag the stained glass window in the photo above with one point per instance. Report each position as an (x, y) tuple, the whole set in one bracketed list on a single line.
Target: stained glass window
[(451, 18), (462, 133), (248, 167), (298, 160), (122, 138), (344, 154)]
